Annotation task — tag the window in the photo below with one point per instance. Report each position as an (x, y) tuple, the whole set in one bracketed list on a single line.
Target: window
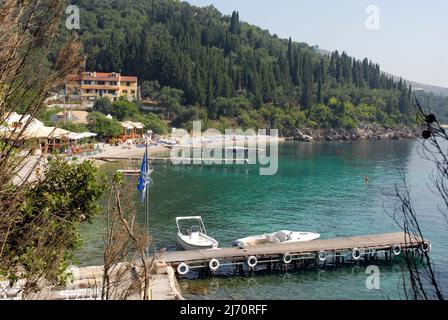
[(128, 84), (101, 83), (125, 91), (113, 83), (87, 82), (133, 91)]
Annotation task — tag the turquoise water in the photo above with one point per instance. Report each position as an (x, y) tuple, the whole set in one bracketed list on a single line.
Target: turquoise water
[(319, 187)]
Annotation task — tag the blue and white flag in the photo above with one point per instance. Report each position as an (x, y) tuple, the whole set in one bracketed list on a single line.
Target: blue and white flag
[(143, 180)]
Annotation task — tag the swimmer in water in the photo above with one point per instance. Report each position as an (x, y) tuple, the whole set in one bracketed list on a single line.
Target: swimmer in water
[(366, 179)]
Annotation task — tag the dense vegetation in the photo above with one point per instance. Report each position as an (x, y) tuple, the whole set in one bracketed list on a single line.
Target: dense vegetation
[(200, 64), (121, 110), (48, 219)]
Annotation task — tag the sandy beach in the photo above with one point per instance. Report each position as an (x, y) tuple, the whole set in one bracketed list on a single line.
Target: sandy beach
[(125, 151), (132, 151)]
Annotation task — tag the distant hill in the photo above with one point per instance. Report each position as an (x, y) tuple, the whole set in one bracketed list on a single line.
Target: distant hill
[(417, 86)]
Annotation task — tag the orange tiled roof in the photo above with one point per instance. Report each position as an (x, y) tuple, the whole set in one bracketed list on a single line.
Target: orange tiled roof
[(100, 76), (103, 74), (129, 78)]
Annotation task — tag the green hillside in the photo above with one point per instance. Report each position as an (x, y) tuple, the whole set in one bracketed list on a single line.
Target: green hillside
[(229, 72)]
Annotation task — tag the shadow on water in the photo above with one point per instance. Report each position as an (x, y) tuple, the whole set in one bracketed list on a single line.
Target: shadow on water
[(314, 284)]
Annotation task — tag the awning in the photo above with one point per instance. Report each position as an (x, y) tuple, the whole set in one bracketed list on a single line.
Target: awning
[(34, 132), (36, 129), (58, 133), (131, 125), (127, 125), (138, 125), (14, 118), (82, 135)]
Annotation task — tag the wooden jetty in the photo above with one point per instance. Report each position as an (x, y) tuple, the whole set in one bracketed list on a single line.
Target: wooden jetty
[(212, 147), (133, 172), (381, 246), (174, 160)]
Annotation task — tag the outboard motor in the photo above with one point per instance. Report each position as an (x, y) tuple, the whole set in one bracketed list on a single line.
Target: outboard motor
[(238, 244)]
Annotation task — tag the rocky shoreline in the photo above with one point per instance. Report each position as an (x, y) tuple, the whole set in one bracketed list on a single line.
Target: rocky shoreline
[(370, 133)]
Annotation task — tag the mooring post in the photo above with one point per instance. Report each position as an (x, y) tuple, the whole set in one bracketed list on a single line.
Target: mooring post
[(241, 269)]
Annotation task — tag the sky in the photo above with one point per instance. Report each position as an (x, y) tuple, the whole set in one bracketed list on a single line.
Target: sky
[(412, 39)]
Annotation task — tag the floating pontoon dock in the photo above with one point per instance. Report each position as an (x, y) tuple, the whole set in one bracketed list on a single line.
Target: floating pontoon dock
[(337, 250)]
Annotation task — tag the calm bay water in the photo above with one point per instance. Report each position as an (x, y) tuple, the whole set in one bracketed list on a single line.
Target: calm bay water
[(319, 187)]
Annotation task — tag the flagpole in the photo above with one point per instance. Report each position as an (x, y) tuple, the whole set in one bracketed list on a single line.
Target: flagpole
[(147, 201)]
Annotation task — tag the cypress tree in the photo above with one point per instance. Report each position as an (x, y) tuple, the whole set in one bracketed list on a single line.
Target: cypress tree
[(319, 91), (235, 23), (404, 104), (290, 55)]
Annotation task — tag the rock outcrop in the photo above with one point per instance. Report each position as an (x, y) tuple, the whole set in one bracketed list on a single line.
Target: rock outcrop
[(371, 133)]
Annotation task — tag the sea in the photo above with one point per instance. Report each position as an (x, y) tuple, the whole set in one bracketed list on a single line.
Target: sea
[(319, 187)]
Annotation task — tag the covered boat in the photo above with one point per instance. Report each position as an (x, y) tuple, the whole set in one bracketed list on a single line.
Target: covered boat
[(283, 236), (196, 236)]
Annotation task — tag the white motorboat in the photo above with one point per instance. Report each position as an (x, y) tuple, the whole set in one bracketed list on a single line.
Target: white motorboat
[(196, 236), (283, 236)]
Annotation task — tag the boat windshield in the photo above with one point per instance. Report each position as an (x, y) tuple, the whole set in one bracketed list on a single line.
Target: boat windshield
[(195, 229), (190, 225), (283, 236)]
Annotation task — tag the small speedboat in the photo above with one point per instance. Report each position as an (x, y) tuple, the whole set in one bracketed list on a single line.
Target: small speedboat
[(168, 142), (196, 237), (283, 236)]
